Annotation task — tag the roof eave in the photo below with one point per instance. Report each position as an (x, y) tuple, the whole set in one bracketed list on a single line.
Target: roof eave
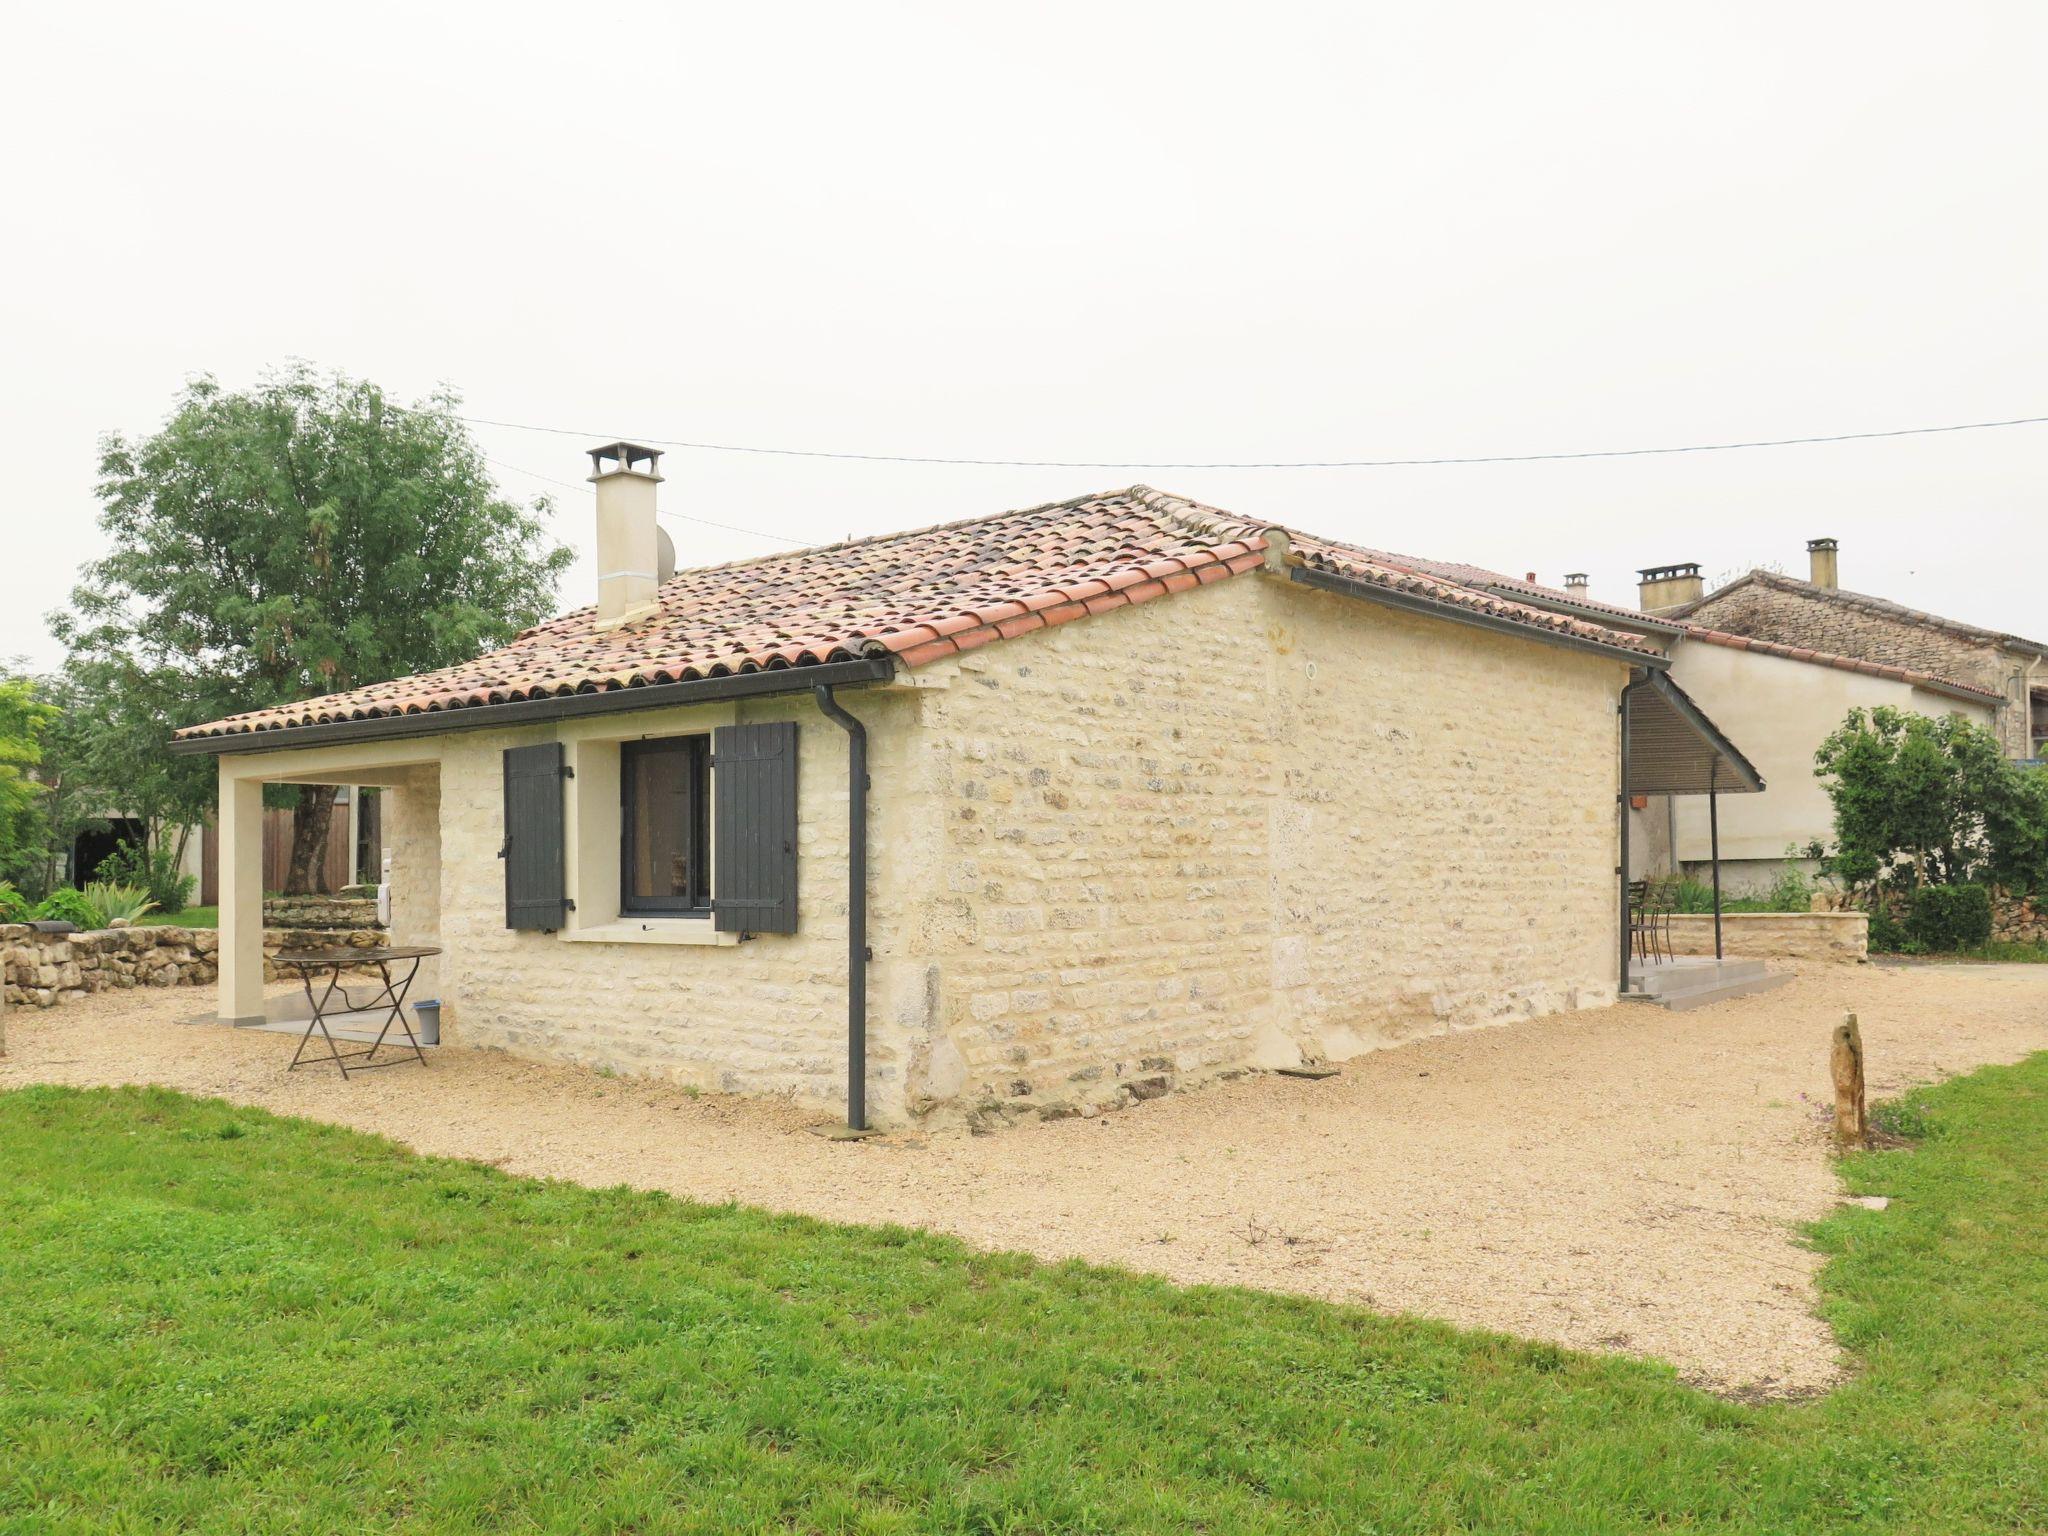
[(1412, 602), (482, 717), (1591, 615)]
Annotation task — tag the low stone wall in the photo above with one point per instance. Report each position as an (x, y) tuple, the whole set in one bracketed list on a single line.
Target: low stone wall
[(44, 969), (2019, 920), (342, 911), (1774, 935)]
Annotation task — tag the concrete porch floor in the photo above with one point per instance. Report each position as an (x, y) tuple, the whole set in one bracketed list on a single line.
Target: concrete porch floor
[(285, 1012), (1693, 981)]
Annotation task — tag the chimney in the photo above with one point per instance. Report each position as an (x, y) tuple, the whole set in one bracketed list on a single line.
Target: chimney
[(1669, 586), (1576, 584), (628, 545), (1820, 553)]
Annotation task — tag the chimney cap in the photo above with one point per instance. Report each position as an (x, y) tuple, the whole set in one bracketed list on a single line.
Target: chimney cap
[(1814, 544), (1669, 572), (624, 456), (1576, 579)]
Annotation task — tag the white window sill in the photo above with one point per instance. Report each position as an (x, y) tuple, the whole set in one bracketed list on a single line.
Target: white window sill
[(650, 930)]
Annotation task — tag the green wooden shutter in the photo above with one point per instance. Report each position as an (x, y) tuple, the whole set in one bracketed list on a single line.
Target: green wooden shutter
[(536, 891), (753, 835)]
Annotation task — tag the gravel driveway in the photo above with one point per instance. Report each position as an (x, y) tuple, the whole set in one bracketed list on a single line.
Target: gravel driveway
[(1621, 1179)]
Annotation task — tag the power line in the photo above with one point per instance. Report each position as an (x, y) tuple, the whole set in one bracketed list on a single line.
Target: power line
[(1480, 458), (570, 485)]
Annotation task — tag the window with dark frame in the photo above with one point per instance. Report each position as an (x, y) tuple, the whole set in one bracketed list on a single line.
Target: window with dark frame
[(665, 834)]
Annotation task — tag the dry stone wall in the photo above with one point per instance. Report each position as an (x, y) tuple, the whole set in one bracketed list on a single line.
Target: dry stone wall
[(45, 969), (2019, 919)]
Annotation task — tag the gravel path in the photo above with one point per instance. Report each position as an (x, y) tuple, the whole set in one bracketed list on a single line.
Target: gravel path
[(1621, 1179)]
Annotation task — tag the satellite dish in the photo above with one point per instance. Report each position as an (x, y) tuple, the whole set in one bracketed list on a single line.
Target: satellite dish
[(664, 554)]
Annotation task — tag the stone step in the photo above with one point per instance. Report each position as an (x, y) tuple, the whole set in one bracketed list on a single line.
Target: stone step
[(1688, 974), (1682, 1002), (1684, 999)]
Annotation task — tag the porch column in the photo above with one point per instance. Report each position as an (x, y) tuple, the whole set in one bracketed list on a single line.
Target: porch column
[(240, 957)]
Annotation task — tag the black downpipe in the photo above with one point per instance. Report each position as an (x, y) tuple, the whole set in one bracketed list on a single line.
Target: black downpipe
[(856, 906), (1622, 801)]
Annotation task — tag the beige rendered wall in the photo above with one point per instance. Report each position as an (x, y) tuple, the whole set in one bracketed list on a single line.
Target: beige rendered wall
[(1243, 826), (1777, 712)]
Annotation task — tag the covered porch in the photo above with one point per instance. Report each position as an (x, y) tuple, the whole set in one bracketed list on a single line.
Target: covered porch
[(1670, 747), (409, 774)]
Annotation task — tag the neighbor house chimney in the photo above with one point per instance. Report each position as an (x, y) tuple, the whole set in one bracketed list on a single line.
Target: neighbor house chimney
[(1669, 586), (1576, 584), (1821, 554), (628, 546)]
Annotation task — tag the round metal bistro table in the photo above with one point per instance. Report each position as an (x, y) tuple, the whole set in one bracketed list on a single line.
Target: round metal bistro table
[(332, 963)]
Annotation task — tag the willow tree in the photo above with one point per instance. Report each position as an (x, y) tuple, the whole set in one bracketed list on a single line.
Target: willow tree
[(301, 537)]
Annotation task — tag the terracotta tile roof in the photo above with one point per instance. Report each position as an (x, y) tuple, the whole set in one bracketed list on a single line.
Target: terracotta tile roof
[(1925, 680), (1424, 578), (1863, 601), (1514, 586), (916, 596)]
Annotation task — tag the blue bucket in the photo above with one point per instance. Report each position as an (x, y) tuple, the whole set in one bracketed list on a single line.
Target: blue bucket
[(428, 1016)]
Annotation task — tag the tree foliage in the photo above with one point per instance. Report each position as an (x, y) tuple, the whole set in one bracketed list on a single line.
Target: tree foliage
[(24, 718), (1931, 801), (301, 537)]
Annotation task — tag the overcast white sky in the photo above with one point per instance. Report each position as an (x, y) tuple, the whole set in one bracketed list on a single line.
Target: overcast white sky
[(1098, 231)]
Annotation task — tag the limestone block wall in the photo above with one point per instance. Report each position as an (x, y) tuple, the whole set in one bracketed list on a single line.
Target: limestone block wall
[(1252, 825), (1444, 823), (1094, 811)]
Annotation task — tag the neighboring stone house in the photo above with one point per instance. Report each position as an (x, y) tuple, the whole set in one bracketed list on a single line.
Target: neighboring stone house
[(1817, 614), (1778, 701), (1031, 814)]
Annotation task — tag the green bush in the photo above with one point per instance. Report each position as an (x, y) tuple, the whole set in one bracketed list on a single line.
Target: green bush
[(1947, 917), (14, 907), (155, 870), (66, 905), (1887, 934)]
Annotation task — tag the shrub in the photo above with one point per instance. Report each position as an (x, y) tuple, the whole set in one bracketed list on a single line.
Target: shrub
[(1887, 934), (99, 905), (14, 907), (155, 870), (1792, 891), (1947, 917), (117, 903), (66, 905)]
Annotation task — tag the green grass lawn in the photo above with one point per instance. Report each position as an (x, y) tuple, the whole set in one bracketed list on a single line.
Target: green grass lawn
[(212, 1319), (191, 917)]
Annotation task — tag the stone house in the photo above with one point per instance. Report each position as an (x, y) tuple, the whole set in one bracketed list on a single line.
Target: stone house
[(1817, 614), (1030, 814)]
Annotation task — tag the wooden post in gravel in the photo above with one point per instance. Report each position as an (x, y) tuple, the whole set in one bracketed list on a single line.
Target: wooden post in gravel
[(1851, 1129)]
